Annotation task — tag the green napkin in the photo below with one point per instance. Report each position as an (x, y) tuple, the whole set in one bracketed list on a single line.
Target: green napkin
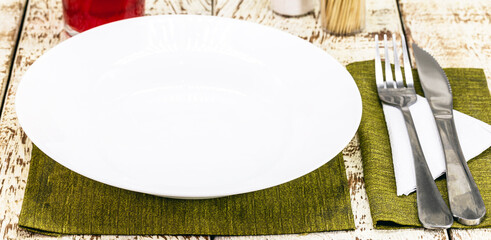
[(59, 201), (471, 96)]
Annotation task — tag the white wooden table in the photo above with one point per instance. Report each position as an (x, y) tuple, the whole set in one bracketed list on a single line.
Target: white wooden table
[(456, 31)]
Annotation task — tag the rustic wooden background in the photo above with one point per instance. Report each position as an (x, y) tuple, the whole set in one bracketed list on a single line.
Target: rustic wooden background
[(456, 32)]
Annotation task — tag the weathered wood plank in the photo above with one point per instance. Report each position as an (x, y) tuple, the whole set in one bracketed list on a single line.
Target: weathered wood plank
[(43, 29), (458, 234), (382, 17), (457, 34), (11, 13)]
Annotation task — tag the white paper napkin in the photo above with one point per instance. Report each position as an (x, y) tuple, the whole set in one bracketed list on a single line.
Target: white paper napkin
[(474, 136)]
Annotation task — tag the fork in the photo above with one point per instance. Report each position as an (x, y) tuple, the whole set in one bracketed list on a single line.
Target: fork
[(433, 212)]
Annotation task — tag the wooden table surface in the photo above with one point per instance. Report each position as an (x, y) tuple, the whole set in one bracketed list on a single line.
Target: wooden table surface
[(456, 32)]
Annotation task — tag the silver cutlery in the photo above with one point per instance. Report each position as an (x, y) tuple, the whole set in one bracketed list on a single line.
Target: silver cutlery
[(433, 212), (465, 200)]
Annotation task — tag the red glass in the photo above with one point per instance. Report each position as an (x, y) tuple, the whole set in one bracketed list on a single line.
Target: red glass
[(81, 15)]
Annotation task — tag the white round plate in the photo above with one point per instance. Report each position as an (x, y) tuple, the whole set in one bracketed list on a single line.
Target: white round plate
[(188, 106)]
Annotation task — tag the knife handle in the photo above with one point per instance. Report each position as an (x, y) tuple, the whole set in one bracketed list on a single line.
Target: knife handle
[(464, 197), (433, 212)]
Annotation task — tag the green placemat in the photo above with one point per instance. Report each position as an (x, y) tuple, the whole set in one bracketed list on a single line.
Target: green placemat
[(59, 201), (471, 96)]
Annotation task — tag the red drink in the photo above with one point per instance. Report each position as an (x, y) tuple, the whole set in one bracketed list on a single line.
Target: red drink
[(81, 15)]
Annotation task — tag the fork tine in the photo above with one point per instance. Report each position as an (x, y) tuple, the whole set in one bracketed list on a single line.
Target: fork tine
[(379, 75), (388, 71), (407, 65), (397, 66)]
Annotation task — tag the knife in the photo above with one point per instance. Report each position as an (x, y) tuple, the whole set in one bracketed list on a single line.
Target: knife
[(465, 200)]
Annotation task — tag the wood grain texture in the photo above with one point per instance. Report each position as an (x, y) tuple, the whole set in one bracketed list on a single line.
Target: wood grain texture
[(382, 17), (11, 13), (460, 234), (457, 33), (43, 29)]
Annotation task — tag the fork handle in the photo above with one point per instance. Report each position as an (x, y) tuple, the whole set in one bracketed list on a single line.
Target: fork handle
[(465, 200), (433, 212)]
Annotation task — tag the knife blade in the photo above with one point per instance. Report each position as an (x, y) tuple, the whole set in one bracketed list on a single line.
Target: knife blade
[(465, 200)]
